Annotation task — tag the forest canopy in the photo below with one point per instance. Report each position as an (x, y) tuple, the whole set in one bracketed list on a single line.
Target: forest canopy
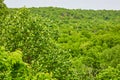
[(51, 43)]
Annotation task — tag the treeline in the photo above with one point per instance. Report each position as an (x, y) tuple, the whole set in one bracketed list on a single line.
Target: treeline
[(59, 44)]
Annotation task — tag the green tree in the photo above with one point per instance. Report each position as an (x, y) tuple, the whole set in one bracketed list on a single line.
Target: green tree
[(3, 11), (2, 6)]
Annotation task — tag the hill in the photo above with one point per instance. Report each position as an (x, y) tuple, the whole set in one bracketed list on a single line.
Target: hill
[(59, 44)]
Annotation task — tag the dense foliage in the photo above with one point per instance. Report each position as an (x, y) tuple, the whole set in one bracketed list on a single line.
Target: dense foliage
[(59, 44)]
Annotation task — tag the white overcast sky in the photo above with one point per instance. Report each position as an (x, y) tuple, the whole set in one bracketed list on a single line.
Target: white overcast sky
[(71, 4)]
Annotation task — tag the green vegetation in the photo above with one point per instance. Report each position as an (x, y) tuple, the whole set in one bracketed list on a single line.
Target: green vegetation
[(59, 44)]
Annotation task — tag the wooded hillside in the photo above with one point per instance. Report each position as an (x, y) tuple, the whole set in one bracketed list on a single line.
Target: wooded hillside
[(59, 44)]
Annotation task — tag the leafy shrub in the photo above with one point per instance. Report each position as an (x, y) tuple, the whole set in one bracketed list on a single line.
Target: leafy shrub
[(109, 74), (43, 76), (80, 70), (111, 57), (12, 65)]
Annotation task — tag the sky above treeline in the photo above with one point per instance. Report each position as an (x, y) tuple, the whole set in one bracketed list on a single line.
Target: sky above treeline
[(69, 4)]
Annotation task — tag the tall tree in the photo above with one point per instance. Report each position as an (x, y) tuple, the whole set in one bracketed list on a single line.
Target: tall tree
[(3, 7)]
